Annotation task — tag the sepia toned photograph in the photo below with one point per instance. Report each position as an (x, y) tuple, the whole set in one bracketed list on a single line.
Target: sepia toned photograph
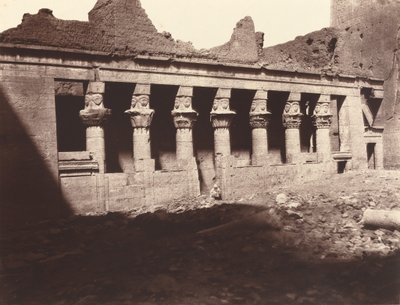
[(187, 152)]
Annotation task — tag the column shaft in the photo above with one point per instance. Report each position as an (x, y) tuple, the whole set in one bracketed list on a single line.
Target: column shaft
[(259, 142), (95, 144), (141, 144), (323, 144), (344, 127), (222, 142), (184, 144), (292, 143)]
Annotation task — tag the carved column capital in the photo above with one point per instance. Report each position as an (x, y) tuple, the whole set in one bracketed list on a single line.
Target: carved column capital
[(140, 113), (94, 113), (183, 114), (292, 116), (184, 120), (221, 116), (259, 120), (322, 117), (259, 116), (94, 117)]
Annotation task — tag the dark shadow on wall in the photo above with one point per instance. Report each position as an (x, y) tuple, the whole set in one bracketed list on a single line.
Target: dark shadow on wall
[(240, 130), (118, 128), (28, 191), (162, 129), (276, 131), (203, 137), (70, 130)]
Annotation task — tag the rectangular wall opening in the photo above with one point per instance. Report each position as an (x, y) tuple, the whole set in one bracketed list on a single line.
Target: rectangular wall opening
[(307, 129), (276, 131), (341, 167), (118, 129), (71, 134), (240, 129), (162, 130), (371, 155), (203, 137)]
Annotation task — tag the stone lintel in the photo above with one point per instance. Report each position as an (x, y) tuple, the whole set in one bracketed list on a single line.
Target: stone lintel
[(324, 98), (261, 95), (294, 97), (96, 88), (142, 89), (185, 91), (223, 93)]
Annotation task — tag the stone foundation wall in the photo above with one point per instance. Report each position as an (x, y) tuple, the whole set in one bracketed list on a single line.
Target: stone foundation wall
[(264, 177), (119, 192)]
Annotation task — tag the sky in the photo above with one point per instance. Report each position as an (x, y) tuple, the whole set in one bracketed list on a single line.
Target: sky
[(206, 23)]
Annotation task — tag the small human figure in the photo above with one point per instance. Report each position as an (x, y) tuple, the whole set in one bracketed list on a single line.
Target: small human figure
[(215, 192)]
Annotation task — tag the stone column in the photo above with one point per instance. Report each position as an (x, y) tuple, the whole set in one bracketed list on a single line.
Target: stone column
[(184, 117), (259, 118), (291, 118), (221, 119), (141, 116), (93, 116), (322, 119)]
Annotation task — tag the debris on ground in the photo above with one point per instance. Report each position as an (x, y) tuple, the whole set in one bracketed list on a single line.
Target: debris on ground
[(301, 243)]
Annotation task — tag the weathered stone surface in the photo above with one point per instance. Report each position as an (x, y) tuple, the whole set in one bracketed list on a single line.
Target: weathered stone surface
[(243, 45), (69, 88), (370, 45), (312, 52), (29, 189)]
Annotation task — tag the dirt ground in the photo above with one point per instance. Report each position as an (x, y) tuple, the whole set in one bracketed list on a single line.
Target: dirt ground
[(294, 244)]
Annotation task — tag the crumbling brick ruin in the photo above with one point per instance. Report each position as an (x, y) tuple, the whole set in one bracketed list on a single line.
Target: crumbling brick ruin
[(109, 115)]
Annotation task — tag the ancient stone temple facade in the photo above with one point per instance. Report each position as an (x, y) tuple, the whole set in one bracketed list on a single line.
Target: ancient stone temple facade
[(110, 115), (371, 36)]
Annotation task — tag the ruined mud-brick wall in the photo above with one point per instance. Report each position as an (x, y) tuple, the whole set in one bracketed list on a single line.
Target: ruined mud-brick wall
[(371, 42)]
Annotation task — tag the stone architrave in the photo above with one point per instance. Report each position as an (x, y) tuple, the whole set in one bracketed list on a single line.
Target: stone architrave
[(291, 119), (184, 118), (141, 117), (93, 117), (259, 119), (322, 119), (221, 118)]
